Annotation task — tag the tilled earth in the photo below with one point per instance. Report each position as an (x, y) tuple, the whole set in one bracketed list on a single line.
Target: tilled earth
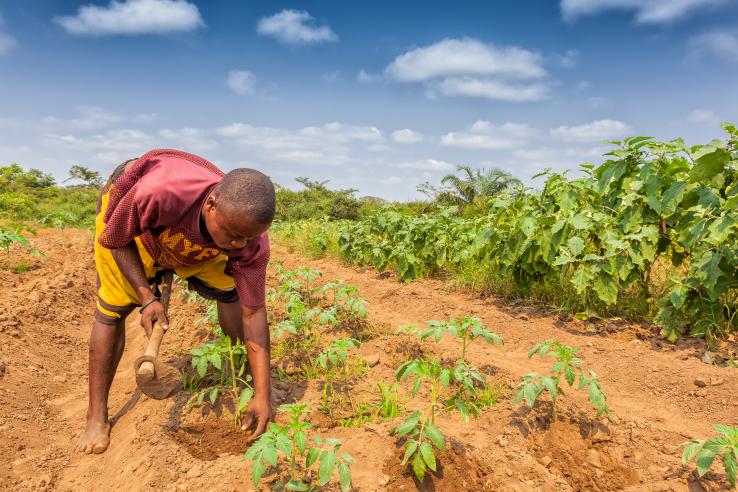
[(660, 394)]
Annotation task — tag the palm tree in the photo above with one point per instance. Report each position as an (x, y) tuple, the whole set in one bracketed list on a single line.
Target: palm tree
[(468, 184)]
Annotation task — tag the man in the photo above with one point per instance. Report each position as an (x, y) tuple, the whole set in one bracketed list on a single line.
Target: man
[(172, 210)]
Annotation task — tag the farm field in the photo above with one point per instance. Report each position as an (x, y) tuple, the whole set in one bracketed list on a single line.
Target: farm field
[(659, 394)]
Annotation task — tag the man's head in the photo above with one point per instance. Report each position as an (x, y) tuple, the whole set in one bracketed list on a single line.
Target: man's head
[(240, 207)]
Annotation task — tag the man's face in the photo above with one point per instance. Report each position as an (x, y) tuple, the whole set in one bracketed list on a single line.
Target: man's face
[(230, 230)]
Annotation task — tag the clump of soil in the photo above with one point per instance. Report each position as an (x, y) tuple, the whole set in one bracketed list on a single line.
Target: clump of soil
[(458, 468), (211, 438)]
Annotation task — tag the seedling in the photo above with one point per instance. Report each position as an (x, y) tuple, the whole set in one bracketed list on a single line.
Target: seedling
[(287, 444), (10, 238), (725, 446), (467, 378), (345, 297), (420, 430), (227, 363), (567, 368), (332, 360)]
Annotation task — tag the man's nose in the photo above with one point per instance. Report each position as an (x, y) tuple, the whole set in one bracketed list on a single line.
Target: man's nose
[(238, 243)]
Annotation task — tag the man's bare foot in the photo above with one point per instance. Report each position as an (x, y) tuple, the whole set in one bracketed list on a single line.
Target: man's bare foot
[(95, 439)]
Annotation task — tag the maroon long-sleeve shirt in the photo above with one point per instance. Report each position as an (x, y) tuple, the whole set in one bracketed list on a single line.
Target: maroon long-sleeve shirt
[(160, 199)]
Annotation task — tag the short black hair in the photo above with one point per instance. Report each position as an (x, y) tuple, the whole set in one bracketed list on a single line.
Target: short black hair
[(248, 191)]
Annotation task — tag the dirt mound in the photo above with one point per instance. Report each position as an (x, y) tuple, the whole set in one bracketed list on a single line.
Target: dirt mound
[(458, 468), (210, 438)]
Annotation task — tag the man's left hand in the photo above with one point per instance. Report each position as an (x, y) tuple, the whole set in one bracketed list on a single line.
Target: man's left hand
[(259, 413)]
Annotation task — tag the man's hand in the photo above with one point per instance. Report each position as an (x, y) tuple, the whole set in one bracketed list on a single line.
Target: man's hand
[(154, 312), (259, 413)]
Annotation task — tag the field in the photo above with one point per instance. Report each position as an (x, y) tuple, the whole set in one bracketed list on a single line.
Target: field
[(660, 394)]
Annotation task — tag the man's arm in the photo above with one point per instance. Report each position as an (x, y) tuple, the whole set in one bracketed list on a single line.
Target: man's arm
[(129, 262), (256, 330)]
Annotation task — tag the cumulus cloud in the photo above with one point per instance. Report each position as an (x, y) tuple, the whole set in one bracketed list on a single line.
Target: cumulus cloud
[(471, 68), (130, 140), (702, 117), (720, 44), (489, 136), (365, 77), (646, 11), (241, 82), (431, 165), (133, 17), (569, 59), (295, 27), (188, 138), (90, 118), (407, 136), (596, 131)]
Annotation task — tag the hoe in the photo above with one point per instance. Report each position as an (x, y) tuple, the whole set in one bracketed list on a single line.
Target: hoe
[(154, 378)]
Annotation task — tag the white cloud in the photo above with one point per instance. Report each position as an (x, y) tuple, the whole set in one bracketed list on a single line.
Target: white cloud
[(702, 117), (453, 57), (721, 44), (646, 11), (91, 118), (188, 138), (130, 140), (491, 89), (7, 43), (365, 77), (133, 17), (596, 131), (584, 84), (407, 136), (241, 82), (392, 180), (486, 135), (431, 165), (295, 27), (467, 67), (569, 59)]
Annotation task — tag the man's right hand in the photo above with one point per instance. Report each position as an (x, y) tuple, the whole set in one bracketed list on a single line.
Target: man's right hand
[(154, 312)]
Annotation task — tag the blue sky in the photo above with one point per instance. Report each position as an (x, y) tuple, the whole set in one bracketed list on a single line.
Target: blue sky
[(378, 96)]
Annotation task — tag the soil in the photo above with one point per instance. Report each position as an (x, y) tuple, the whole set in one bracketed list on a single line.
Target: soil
[(660, 394)]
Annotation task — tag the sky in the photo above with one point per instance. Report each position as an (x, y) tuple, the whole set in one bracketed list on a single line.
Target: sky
[(374, 96)]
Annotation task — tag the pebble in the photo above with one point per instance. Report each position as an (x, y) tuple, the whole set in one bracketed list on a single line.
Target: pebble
[(701, 393), (384, 479), (700, 382), (372, 360), (715, 381), (546, 461)]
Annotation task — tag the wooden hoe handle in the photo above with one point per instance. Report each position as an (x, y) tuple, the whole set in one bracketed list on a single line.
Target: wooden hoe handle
[(146, 369)]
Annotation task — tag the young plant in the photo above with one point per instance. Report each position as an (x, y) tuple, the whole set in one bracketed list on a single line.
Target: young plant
[(725, 445), (227, 363), (345, 297), (332, 362), (470, 383), (567, 368), (288, 445), (10, 238), (420, 430)]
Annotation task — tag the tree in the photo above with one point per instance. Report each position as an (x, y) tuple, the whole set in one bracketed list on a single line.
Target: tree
[(311, 184), (467, 185), (89, 177)]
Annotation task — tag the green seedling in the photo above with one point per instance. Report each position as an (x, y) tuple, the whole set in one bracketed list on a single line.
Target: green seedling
[(221, 366), (468, 380), (345, 297), (10, 238), (567, 368), (420, 430), (332, 363), (388, 407), (725, 446), (288, 445)]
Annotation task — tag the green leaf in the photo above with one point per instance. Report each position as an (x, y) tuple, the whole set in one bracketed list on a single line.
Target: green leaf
[(419, 467), (434, 434), (704, 459), (711, 161), (672, 197), (579, 222), (412, 446), (344, 476), (296, 485), (582, 278), (407, 426), (312, 455), (269, 454), (576, 245), (213, 395), (300, 440), (690, 450), (730, 465), (428, 455), (569, 374), (257, 471), (325, 468), (244, 398), (530, 393), (606, 289)]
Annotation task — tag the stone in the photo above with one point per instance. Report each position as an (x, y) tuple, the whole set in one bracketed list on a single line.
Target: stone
[(716, 381), (711, 358), (700, 382), (383, 479), (546, 461), (701, 393), (372, 360)]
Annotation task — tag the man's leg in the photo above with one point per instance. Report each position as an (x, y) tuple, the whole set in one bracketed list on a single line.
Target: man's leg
[(106, 348), (230, 317)]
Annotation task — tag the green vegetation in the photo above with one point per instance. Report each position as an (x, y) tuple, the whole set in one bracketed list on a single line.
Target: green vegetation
[(34, 196), (567, 368), (648, 234), (288, 446), (725, 446)]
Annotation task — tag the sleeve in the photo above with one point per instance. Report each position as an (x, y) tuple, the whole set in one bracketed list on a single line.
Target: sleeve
[(248, 270), (130, 216)]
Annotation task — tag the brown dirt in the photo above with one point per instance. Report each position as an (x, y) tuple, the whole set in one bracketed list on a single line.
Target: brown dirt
[(45, 315)]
